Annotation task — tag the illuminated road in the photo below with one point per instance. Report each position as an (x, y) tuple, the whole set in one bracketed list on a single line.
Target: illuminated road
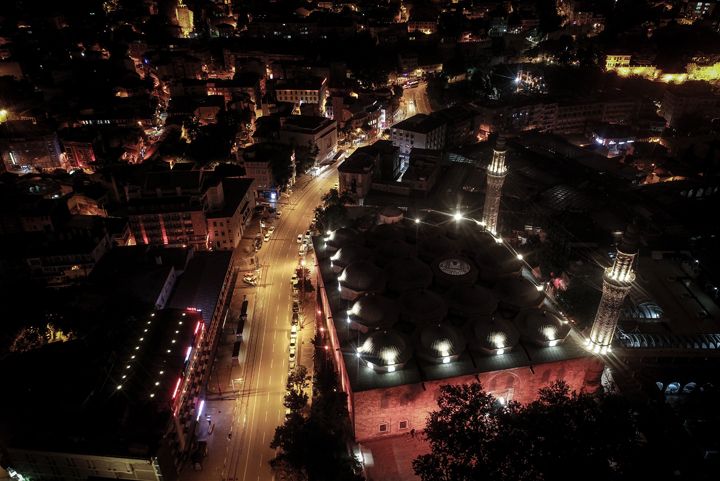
[(258, 409), (415, 101)]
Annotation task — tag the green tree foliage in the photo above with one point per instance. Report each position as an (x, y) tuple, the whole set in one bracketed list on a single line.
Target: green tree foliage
[(315, 447), (474, 437), (332, 213)]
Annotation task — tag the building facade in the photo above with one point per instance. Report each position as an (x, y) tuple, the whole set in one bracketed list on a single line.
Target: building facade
[(310, 91), (419, 131), (318, 134)]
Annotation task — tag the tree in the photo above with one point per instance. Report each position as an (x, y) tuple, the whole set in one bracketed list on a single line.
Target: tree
[(295, 401), (332, 214), (562, 433), (298, 379)]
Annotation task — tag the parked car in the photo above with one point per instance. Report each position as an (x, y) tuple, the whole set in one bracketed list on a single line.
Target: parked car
[(295, 319), (293, 342), (291, 365), (293, 331), (278, 213), (294, 279), (308, 235), (292, 351), (267, 237), (299, 238), (295, 306), (271, 229), (292, 356)]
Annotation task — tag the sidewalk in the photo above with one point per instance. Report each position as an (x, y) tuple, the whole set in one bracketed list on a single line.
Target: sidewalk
[(225, 379), (306, 355)]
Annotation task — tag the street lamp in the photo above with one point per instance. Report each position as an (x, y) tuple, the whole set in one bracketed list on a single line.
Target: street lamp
[(457, 216)]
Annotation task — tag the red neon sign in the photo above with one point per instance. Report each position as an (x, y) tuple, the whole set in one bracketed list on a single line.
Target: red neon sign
[(177, 386)]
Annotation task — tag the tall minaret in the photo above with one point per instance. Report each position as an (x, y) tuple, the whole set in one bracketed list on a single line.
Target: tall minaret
[(496, 172), (617, 281)]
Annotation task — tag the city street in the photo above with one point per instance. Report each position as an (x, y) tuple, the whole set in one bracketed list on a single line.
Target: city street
[(415, 101), (244, 416)]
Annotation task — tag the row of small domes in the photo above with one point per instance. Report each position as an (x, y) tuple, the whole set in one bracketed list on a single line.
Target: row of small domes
[(443, 342)]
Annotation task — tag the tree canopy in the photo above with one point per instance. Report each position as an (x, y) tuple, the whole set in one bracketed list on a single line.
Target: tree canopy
[(562, 434), (315, 447)]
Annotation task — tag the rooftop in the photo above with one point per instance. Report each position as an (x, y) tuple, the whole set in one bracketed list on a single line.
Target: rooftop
[(113, 392), (311, 123), (201, 284), (435, 300), (420, 123)]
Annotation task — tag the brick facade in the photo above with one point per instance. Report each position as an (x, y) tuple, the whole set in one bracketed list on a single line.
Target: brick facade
[(412, 402)]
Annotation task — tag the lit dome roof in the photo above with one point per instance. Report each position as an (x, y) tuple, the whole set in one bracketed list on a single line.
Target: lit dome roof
[(374, 311), (362, 276), (475, 240), (472, 301), (392, 249), (422, 306), (384, 348), (438, 341), (390, 211), (436, 246), (542, 327), (385, 232), (495, 260), (406, 274), (342, 237), (348, 254), (454, 271), (518, 293), (491, 334)]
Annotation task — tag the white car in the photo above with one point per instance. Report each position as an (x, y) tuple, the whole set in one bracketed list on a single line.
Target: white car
[(299, 238), (293, 342), (267, 237), (277, 214), (271, 229)]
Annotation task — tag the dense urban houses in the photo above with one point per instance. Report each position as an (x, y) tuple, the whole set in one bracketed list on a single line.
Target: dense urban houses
[(248, 241)]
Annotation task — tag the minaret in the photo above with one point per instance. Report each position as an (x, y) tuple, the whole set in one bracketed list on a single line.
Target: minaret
[(617, 281), (496, 172)]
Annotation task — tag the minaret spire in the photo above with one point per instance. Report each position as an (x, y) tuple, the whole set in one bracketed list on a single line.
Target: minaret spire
[(617, 281), (496, 172)]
